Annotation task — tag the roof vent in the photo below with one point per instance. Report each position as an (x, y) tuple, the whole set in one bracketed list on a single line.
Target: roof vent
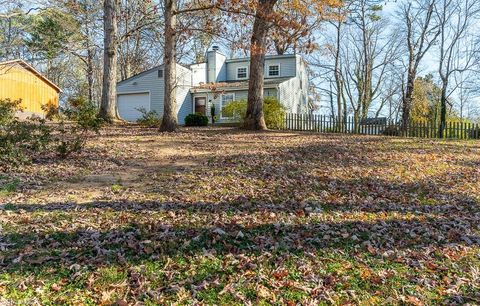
[(215, 48)]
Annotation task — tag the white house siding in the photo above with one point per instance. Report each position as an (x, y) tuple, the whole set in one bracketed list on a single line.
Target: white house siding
[(302, 74), (149, 81), (294, 92), (216, 70), (184, 98), (287, 66), (199, 73)]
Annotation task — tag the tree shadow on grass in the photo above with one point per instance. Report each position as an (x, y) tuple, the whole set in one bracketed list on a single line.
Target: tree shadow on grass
[(433, 194), (136, 241), (385, 221)]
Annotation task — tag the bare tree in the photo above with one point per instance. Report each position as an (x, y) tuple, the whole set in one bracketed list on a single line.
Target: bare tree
[(172, 30), (114, 12), (369, 56), (338, 25), (456, 48), (85, 48), (169, 121), (108, 106), (421, 32), (267, 16), (465, 94), (137, 24)]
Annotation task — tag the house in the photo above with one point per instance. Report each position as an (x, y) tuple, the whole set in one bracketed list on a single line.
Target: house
[(218, 81), (19, 80)]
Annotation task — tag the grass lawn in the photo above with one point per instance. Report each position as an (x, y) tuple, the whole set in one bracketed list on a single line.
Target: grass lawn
[(219, 216)]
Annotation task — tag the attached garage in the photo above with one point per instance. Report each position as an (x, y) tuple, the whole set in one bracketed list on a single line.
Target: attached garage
[(128, 105), (147, 90)]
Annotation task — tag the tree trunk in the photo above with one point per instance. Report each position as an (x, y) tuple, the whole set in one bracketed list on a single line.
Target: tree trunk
[(337, 73), (345, 111), (408, 98), (169, 121), (332, 107), (108, 107), (90, 74), (254, 118), (443, 111), (367, 69), (356, 120)]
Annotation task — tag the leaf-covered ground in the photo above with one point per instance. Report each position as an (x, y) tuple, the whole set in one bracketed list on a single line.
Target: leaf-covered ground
[(220, 216)]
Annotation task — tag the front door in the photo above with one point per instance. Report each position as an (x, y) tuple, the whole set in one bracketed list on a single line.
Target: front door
[(200, 105)]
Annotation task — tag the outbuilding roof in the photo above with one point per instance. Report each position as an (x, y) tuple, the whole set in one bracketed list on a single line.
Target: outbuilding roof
[(25, 65)]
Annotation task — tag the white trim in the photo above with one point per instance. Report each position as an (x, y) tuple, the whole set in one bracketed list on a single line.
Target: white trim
[(221, 104), (206, 103), (246, 73), (274, 76)]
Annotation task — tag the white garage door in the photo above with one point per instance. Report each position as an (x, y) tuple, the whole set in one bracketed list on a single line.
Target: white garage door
[(129, 103)]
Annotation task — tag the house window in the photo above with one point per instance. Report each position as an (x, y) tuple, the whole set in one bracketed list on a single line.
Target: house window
[(242, 73), (227, 98), (274, 70), (160, 73), (270, 93)]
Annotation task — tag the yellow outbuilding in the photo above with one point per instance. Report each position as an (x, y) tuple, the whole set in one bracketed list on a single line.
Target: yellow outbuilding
[(20, 81)]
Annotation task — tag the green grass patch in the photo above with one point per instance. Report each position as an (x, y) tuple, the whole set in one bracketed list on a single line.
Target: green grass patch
[(109, 276), (9, 187)]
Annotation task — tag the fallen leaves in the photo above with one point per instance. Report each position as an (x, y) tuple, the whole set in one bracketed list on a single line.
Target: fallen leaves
[(217, 216)]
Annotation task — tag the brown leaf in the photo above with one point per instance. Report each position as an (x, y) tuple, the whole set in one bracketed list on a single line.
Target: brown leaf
[(56, 287)]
